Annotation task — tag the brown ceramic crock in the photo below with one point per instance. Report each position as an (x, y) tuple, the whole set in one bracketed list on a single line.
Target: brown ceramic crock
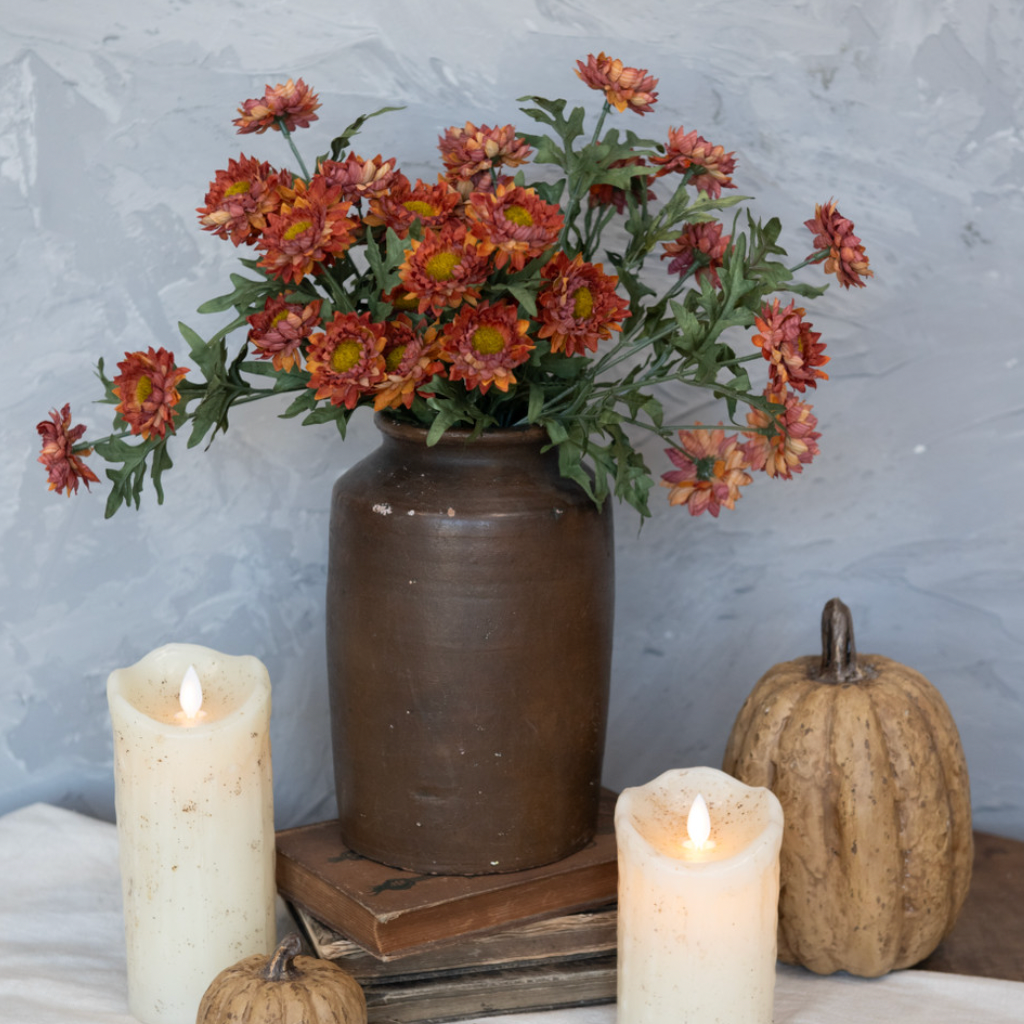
[(469, 633)]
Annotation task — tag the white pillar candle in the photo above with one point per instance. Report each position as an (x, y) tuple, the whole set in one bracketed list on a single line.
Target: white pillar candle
[(698, 909), (195, 823)]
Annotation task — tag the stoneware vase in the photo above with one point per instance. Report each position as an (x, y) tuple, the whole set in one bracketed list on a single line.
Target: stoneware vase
[(469, 628)]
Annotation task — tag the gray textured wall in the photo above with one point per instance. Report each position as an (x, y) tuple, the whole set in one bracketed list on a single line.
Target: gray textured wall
[(113, 118)]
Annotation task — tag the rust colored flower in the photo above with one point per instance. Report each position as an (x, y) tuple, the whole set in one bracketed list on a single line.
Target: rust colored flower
[(358, 178), (411, 359), (311, 228), (794, 442), (471, 151), (790, 346), (434, 206), (514, 223), (702, 244), (64, 465), (689, 150), (624, 88), (292, 104), (711, 470), (611, 195), (241, 198), (579, 306), (346, 360), (279, 331), (443, 270), (148, 388), (833, 234), (485, 344)]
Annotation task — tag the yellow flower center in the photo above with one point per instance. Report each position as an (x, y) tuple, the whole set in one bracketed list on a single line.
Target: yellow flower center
[(394, 358), (424, 209), (282, 314), (519, 215), (297, 229), (143, 389), (345, 356), (441, 265), (238, 188), (488, 341), (583, 303)]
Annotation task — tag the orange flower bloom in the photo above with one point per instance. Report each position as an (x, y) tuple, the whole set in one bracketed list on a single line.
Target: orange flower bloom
[(471, 152), (443, 270), (795, 440), (411, 360), (704, 239), (688, 149), (623, 87), (485, 344), (515, 223), (608, 195), (435, 206), (279, 331), (64, 465), (579, 307), (357, 177), (711, 471), (148, 388), (240, 199), (790, 346), (293, 103), (311, 228), (346, 361), (834, 234)]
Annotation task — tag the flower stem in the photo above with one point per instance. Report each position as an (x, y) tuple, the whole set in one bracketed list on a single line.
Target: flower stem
[(288, 138)]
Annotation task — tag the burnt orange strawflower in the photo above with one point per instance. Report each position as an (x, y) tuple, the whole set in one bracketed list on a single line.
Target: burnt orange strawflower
[(292, 104), (358, 178), (443, 270), (346, 360), (790, 346), (579, 306), (64, 465), (696, 241), (624, 88), (485, 344), (612, 195), (311, 228), (513, 223), (411, 359), (279, 331), (833, 234), (688, 149), (434, 206), (795, 442), (148, 388), (711, 470), (470, 153), (240, 199)]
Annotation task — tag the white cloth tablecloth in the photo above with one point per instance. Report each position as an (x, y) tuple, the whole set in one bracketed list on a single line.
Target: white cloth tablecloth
[(62, 957)]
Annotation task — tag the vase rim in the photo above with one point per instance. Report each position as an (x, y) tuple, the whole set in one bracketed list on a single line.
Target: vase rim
[(525, 435)]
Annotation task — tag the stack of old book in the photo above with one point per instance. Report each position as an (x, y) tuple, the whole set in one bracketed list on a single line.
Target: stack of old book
[(443, 947)]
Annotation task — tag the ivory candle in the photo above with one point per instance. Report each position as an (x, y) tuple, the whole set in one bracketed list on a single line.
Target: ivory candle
[(195, 822), (698, 908)]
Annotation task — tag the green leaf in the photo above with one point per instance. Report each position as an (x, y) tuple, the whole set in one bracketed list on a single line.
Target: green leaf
[(340, 143), (304, 402)]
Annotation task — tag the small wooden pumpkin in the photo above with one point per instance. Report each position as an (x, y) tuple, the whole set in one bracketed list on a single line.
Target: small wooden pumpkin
[(867, 764), (286, 989)]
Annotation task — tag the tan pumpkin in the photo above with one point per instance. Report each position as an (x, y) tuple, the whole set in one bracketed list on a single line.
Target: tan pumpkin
[(286, 989), (867, 763)]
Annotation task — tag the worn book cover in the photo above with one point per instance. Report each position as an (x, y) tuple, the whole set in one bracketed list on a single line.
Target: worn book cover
[(388, 911)]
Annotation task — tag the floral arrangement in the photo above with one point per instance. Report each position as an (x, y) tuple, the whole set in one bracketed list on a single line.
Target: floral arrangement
[(476, 301)]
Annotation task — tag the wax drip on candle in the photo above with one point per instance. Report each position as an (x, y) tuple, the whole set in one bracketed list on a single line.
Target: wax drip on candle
[(698, 826), (190, 696)]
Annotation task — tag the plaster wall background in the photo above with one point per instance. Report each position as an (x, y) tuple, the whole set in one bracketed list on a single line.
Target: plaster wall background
[(113, 120)]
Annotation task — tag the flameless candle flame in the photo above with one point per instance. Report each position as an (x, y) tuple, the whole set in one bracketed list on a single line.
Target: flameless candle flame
[(698, 826), (191, 697)]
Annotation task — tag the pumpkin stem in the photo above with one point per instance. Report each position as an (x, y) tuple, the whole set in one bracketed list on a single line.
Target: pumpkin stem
[(838, 653), (279, 966)]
